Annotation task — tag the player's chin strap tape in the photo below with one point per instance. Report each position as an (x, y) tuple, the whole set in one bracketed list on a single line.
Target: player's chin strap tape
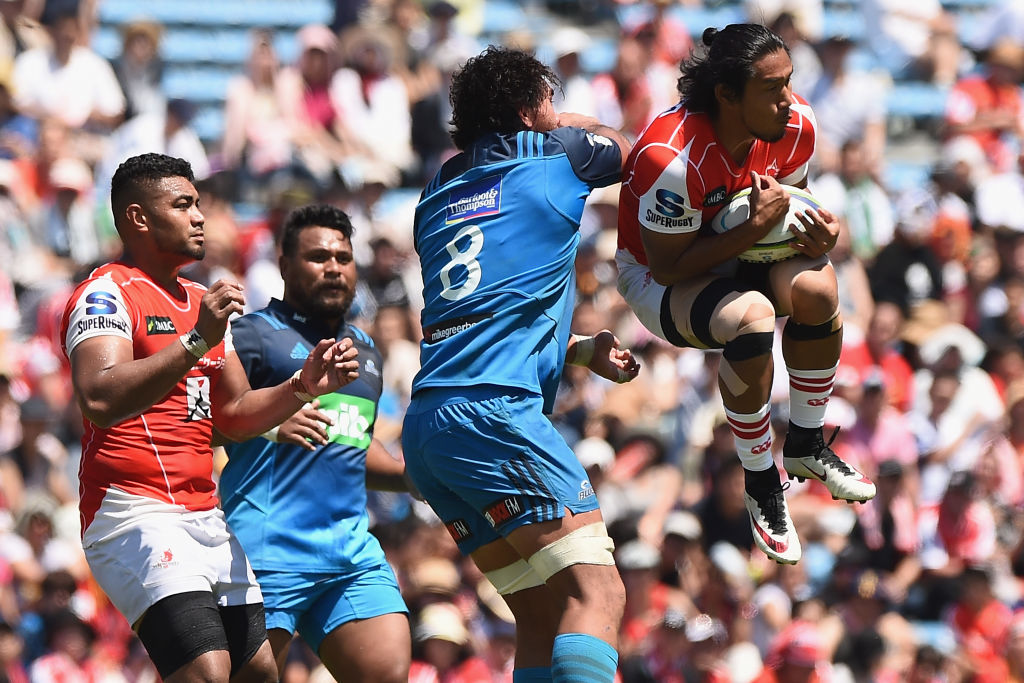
[(589, 544), (800, 332), (747, 346), (514, 577)]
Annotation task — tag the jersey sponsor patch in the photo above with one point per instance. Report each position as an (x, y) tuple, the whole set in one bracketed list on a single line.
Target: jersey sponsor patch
[(459, 529), (197, 392), (715, 197), (503, 510), (353, 419), (160, 324), (482, 198)]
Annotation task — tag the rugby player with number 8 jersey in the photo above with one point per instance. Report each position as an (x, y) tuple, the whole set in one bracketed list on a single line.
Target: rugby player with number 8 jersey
[(739, 125), (496, 231)]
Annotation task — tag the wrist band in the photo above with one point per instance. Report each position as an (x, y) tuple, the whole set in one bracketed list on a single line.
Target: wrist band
[(298, 388), (194, 343), (270, 435), (584, 350)]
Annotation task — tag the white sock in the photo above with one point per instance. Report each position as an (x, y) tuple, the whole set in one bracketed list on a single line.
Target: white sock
[(808, 395), (753, 437)]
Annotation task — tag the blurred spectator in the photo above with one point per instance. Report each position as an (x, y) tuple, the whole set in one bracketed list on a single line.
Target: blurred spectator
[(987, 107), (981, 624), (708, 639), (848, 105), (623, 95), (664, 654), (441, 648), (796, 656), (966, 525), (907, 271), (70, 657), (880, 350), (914, 40), (808, 16), (18, 133), (648, 600), (12, 670), (257, 118), (806, 62), (722, 513), (167, 131), (660, 38), (18, 31), (999, 199), (66, 223), (852, 192), (373, 105), (855, 301), (577, 93), (70, 82), (140, 69)]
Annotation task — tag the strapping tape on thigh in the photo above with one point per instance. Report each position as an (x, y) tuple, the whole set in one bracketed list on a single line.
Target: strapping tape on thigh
[(514, 577), (589, 544)]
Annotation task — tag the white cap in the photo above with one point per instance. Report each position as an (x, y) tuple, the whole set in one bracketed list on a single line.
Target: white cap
[(683, 523), (568, 40), (593, 451)]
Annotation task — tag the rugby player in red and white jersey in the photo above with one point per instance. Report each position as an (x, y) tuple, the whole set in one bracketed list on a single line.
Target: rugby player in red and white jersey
[(153, 373), (739, 125)]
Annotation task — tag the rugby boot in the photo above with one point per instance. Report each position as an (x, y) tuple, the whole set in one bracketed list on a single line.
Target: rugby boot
[(806, 455), (770, 522)]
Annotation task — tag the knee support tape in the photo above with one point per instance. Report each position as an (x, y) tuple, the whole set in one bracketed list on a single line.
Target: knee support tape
[(589, 544), (800, 332), (514, 577)]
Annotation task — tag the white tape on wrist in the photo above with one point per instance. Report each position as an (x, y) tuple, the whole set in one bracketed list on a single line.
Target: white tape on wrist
[(584, 350), (299, 389), (194, 343)]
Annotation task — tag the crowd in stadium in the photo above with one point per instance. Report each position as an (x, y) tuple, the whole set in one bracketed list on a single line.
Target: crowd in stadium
[(923, 583)]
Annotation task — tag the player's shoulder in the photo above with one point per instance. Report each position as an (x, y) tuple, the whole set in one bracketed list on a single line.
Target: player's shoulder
[(360, 337)]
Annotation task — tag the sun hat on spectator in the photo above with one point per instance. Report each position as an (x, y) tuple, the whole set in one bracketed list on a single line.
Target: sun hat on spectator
[(926, 318), (569, 40), (70, 173), (443, 621), (316, 37), (144, 28), (637, 555), (704, 627), (593, 451), (434, 575), (684, 524), (953, 335)]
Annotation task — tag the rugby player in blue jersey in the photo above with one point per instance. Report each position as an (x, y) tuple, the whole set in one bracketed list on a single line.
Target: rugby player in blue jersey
[(496, 231), (297, 498)]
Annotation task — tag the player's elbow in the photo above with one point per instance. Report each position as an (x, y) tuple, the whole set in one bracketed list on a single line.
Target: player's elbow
[(98, 411), (663, 275)]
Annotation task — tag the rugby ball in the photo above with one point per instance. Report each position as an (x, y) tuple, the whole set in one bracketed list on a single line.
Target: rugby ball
[(775, 246)]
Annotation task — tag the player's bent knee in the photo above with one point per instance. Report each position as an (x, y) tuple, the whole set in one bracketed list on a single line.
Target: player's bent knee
[(180, 628), (588, 544), (514, 577)]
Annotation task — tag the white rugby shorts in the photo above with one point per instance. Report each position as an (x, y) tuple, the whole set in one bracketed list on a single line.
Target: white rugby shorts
[(638, 287), (142, 550)]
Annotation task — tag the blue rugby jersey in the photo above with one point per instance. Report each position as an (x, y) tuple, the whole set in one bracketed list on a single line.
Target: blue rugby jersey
[(496, 231), (293, 509)]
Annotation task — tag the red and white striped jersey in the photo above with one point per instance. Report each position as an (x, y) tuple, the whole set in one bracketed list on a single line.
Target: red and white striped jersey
[(163, 453), (678, 174)]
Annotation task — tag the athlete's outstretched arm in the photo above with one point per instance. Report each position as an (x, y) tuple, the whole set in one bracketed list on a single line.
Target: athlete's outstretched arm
[(241, 412), (592, 125), (602, 355)]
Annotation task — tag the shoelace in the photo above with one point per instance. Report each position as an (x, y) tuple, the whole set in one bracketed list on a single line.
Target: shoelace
[(826, 456), (773, 509)]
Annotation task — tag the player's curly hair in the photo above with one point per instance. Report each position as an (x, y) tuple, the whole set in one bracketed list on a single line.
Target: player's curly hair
[(728, 60), (489, 91), (321, 215), (135, 176)]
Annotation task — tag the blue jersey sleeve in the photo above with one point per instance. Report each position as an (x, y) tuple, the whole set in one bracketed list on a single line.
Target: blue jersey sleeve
[(247, 343), (595, 159)]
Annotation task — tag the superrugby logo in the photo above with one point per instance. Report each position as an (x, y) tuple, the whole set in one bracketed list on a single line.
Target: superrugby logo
[(482, 198), (503, 510), (715, 197), (103, 303), (160, 324)]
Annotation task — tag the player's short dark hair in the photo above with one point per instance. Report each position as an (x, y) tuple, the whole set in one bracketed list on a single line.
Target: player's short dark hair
[(136, 175), (728, 60), (489, 91), (320, 215)]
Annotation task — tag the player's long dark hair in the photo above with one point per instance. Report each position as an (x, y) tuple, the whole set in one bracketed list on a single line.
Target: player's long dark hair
[(729, 60), (489, 91)]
